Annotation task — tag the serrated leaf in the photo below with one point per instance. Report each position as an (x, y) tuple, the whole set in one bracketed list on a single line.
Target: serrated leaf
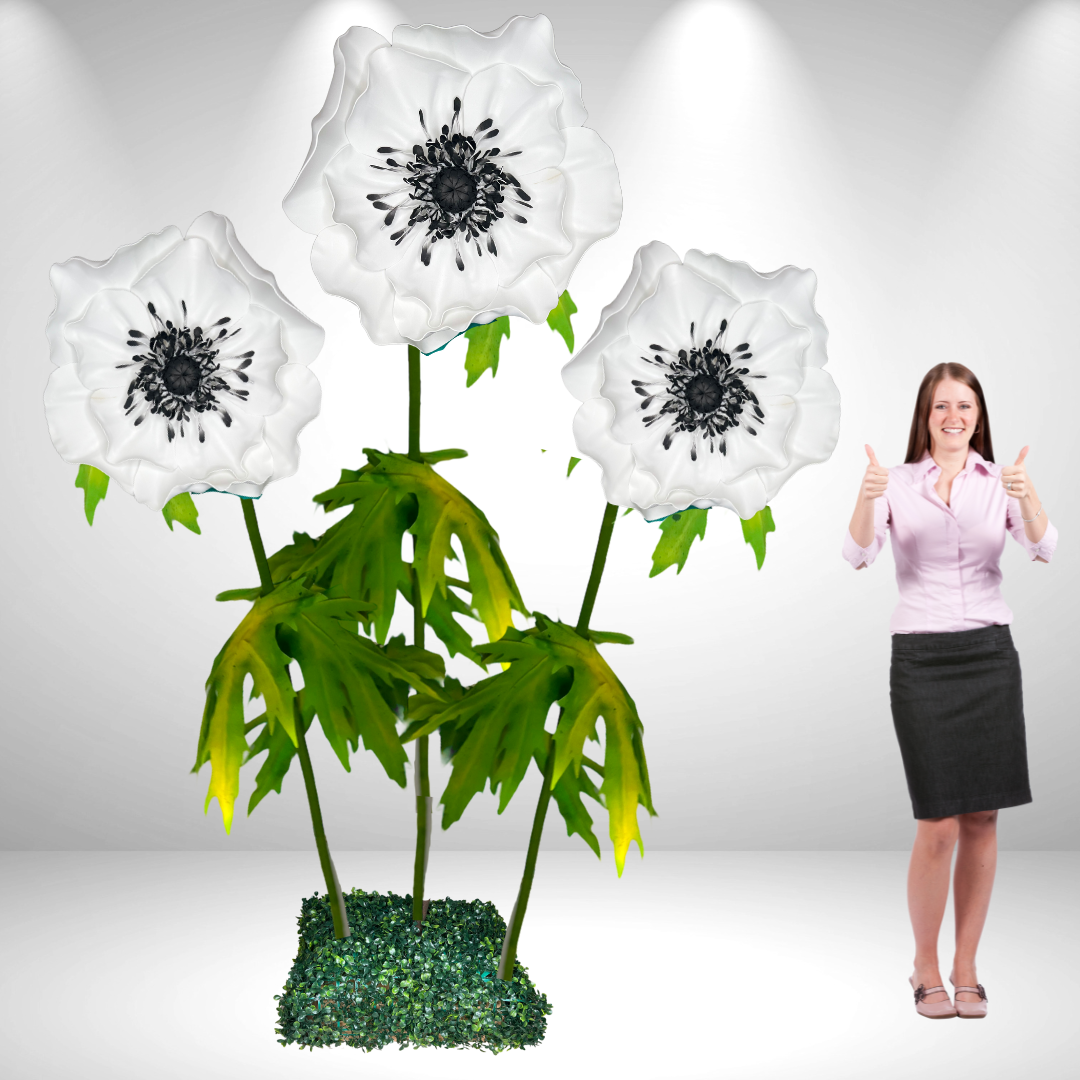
[(559, 319), (349, 682), (483, 353), (755, 530), (280, 752), (252, 649), (604, 637), (570, 467), (677, 533), (439, 616), (181, 508), (567, 794), (354, 686), (95, 484), (433, 457), (443, 513), (549, 663)]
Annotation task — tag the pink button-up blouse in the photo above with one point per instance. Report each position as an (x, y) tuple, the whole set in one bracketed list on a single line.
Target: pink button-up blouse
[(947, 556)]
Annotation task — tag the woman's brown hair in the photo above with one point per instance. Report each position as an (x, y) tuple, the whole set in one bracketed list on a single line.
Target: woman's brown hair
[(919, 439)]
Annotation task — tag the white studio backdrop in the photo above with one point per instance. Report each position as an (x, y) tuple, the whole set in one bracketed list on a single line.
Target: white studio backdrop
[(920, 156)]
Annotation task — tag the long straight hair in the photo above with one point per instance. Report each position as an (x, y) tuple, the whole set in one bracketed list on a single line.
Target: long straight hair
[(919, 439)]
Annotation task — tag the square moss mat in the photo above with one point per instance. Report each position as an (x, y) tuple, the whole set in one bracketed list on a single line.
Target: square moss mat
[(389, 982)]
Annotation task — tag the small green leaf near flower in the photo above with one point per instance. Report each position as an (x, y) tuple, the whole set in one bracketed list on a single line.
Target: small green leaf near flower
[(483, 350), (181, 508), (754, 531), (573, 462), (95, 484), (678, 532), (559, 319)]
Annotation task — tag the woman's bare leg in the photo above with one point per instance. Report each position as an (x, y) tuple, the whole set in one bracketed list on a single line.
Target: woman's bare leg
[(928, 890), (973, 881)]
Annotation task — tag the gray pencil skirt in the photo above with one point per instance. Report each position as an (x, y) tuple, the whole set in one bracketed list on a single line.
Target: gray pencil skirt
[(958, 709)]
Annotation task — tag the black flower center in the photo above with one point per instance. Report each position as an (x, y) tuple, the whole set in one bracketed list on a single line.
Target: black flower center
[(451, 189), (454, 190), (181, 376), (701, 391), (181, 373)]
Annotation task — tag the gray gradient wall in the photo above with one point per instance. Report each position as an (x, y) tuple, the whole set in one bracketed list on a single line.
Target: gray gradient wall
[(920, 155)]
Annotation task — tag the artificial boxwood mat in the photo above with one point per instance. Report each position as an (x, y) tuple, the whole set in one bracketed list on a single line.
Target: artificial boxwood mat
[(389, 982)]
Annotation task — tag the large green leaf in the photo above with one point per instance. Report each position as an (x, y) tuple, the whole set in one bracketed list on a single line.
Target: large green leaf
[(505, 716), (483, 353), (251, 650), (360, 556), (559, 319), (754, 531), (356, 688), (677, 533), (95, 484)]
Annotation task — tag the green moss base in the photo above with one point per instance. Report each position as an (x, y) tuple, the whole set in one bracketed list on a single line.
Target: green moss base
[(388, 982)]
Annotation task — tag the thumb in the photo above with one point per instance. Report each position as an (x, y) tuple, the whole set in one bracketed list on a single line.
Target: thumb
[(870, 454), (1023, 454)]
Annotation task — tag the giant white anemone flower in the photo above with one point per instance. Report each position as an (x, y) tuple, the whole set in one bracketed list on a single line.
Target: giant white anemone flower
[(449, 180), (180, 366), (703, 384)]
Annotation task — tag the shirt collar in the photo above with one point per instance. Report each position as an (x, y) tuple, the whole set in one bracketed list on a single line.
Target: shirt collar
[(974, 460)]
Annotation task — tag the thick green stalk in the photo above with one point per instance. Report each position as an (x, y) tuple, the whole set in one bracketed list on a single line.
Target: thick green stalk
[(517, 917), (420, 767), (603, 542), (333, 888)]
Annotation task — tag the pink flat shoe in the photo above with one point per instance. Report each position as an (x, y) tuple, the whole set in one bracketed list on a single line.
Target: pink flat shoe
[(971, 1010), (936, 1010)]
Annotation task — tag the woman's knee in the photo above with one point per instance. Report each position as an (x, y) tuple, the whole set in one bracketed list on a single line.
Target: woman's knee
[(980, 819), (939, 833)]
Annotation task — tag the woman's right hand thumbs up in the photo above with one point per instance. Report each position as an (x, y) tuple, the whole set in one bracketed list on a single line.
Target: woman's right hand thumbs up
[(876, 478)]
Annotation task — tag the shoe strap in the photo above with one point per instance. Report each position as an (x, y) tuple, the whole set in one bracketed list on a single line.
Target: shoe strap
[(972, 990), (921, 992)]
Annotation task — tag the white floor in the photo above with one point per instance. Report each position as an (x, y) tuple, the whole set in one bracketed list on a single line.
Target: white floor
[(749, 965)]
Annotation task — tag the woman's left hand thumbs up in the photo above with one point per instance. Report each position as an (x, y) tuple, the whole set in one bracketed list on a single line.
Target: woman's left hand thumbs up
[(1014, 477)]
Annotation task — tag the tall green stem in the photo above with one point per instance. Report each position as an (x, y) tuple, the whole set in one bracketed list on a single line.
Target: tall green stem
[(333, 888), (420, 768), (517, 917)]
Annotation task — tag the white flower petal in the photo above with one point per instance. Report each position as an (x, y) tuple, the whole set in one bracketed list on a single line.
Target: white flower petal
[(74, 282), (682, 299), (592, 433), (401, 84), (524, 119), (789, 287), (352, 178), (302, 397), (777, 347), (522, 243), (309, 203), (441, 285), (527, 43), (333, 258), (814, 430), (190, 274), (302, 339), (100, 338), (583, 373), (75, 433), (593, 204)]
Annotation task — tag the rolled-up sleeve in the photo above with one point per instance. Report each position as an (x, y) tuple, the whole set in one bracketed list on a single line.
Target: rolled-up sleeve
[(858, 555), (1014, 522)]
